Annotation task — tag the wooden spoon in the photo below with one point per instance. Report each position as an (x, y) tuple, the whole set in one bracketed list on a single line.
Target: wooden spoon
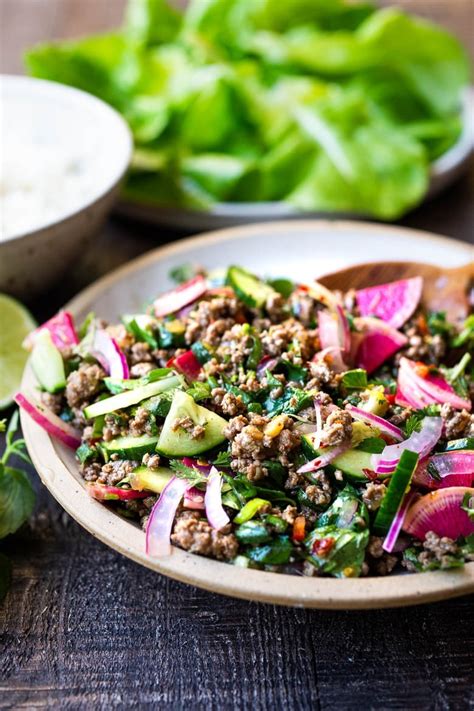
[(449, 290)]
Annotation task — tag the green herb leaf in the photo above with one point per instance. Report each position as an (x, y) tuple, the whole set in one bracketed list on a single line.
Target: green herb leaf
[(468, 505), (192, 475), (199, 391), (355, 379), (17, 499)]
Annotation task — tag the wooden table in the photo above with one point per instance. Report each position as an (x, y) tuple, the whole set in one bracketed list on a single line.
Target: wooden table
[(84, 628)]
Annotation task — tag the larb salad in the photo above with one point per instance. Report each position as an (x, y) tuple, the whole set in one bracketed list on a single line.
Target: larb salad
[(271, 424)]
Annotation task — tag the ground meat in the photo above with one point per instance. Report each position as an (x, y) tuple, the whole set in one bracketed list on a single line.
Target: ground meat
[(186, 423), (83, 384), (140, 353), (441, 551), (422, 345), (141, 507), (275, 307), (115, 471), (400, 415), (152, 461), (142, 423), (378, 562), (227, 403), (319, 493), (258, 438), (337, 428), (114, 426), (279, 337), (322, 375), (211, 319), (289, 514), (457, 423), (304, 307), (140, 369), (52, 402), (90, 471), (197, 536), (373, 494)]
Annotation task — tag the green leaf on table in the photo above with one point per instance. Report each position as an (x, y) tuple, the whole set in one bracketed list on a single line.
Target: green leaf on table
[(17, 499)]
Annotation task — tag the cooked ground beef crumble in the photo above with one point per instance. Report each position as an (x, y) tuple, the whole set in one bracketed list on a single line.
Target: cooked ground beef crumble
[(282, 400)]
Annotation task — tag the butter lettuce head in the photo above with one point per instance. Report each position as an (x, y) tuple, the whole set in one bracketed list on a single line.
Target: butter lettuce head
[(327, 104)]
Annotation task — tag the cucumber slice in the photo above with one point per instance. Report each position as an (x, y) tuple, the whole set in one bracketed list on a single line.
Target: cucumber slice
[(131, 447), (130, 397), (179, 442), (354, 463), (248, 288), (47, 363), (151, 479), (464, 443), (397, 488)]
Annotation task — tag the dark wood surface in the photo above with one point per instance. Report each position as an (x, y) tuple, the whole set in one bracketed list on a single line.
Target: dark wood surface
[(84, 628)]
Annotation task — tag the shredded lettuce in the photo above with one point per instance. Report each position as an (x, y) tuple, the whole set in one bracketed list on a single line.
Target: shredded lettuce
[(326, 104)]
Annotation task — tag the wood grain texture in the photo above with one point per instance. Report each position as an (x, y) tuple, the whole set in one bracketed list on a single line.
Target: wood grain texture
[(84, 628)]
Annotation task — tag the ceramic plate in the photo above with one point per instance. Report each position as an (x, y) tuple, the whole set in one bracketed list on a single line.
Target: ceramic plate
[(298, 249), (443, 172)]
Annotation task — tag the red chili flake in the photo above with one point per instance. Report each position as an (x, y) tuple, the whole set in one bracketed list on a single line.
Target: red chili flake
[(390, 398), (370, 474), (170, 363), (323, 546), (422, 325), (422, 370)]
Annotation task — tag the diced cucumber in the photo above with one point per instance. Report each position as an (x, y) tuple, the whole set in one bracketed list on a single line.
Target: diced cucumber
[(130, 397), (179, 442), (456, 444), (151, 479), (248, 287), (397, 489), (131, 447), (354, 463), (47, 363)]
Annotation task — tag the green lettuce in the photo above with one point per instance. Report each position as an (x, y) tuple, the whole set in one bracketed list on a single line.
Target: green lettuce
[(326, 104)]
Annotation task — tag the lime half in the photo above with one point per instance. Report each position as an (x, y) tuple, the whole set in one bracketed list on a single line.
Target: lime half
[(15, 324)]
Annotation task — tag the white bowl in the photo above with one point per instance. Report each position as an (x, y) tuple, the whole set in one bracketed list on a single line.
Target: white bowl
[(56, 117)]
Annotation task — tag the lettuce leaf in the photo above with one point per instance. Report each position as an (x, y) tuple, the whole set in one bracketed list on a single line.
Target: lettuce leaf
[(329, 105)]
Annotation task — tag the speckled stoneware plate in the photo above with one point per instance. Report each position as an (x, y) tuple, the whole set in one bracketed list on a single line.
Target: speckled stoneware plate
[(299, 249), (444, 171)]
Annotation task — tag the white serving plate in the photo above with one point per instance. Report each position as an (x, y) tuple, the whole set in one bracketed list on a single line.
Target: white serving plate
[(301, 249)]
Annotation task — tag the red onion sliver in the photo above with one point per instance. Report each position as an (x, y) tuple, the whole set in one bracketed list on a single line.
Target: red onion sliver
[(421, 442), (369, 418), (397, 523), (106, 350), (194, 498), (49, 421), (160, 522), (215, 513), (323, 460), (176, 299)]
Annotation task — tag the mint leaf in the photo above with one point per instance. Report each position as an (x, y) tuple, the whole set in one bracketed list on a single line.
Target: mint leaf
[(17, 500)]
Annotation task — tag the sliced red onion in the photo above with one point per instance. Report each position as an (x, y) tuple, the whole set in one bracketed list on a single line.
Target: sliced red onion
[(49, 421), (369, 418), (215, 513), (178, 298), (194, 498), (324, 459), (319, 424), (103, 492), (454, 468), (344, 330), (375, 342), (430, 388), (421, 442), (194, 464), (62, 330), (106, 350), (160, 521), (267, 363), (332, 357), (397, 523)]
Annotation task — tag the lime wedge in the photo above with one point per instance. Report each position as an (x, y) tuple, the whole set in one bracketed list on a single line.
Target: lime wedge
[(15, 324)]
